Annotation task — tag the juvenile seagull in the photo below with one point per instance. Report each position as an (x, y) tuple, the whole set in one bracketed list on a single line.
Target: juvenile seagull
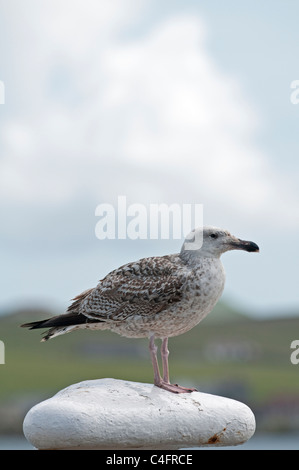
[(157, 297)]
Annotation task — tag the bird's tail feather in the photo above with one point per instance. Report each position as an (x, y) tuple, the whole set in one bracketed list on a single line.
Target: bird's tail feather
[(60, 324)]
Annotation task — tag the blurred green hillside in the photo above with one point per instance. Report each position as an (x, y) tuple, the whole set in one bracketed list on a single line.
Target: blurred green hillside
[(228, 354)]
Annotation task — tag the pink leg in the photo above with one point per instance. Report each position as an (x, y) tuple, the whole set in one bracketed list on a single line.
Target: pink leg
[(164, 355), (158, 381), (153, 351)]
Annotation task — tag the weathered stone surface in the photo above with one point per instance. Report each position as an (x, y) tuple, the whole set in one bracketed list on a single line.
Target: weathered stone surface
[(116, 414)]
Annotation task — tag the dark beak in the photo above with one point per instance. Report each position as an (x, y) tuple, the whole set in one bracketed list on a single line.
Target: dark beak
[(245, 245)]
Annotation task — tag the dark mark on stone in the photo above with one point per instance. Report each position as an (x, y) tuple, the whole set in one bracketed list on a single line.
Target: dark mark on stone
[(216, 438)]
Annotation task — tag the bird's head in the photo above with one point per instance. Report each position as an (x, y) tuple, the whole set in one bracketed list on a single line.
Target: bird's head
[(211, 242)]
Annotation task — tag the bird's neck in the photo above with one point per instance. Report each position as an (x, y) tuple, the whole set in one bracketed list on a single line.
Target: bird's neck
[(192, 257)]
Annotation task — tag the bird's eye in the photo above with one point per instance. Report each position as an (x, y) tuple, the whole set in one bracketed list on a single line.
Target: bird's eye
[(214, 235)]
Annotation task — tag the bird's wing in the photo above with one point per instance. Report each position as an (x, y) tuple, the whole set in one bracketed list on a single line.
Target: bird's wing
[(74, 307), (144, 287)]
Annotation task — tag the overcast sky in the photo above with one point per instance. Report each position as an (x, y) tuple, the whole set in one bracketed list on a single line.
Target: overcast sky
[(162, 102)]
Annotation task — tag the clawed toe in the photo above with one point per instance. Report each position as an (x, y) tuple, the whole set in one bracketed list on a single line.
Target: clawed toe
[(175, 388)]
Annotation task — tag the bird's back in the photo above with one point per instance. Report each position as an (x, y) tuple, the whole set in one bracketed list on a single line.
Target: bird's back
[(160, 295)]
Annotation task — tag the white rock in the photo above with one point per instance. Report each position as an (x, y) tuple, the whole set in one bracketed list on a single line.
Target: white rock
[(115, 414)]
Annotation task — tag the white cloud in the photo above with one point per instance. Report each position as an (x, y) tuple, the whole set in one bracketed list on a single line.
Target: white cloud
[(186, 117), (156, 104)]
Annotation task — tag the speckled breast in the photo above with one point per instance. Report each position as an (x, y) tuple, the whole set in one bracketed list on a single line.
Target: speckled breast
[(203, 288)]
